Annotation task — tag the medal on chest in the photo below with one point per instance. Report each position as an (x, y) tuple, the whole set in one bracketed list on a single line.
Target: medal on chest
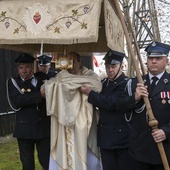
[(168, 96), (163, 96)]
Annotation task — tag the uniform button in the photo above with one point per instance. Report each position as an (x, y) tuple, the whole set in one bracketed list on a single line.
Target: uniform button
[(39, 118), (120, 130)]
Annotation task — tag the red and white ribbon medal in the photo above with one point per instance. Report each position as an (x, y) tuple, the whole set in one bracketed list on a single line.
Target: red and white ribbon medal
[(168, 96), (163, 96)]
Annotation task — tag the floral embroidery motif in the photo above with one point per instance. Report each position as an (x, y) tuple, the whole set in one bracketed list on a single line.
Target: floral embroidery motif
[(38, 19), (71, 19)]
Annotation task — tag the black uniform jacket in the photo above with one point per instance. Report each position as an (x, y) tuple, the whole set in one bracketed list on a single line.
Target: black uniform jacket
[(142, 146), (113, 130), (44, 76), (31, 119)]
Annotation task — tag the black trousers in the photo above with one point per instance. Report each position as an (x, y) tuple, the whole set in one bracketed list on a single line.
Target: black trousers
[(115, 159), (27, 151), (137, 165)]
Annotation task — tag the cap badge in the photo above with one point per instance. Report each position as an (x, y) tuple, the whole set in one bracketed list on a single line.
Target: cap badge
[(154, 44)]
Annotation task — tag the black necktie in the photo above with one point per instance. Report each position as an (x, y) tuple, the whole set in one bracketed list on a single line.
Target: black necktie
[(29, 81), (153, 84)]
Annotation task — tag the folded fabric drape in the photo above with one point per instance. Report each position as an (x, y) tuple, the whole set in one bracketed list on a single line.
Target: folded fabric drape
[(73, 125)]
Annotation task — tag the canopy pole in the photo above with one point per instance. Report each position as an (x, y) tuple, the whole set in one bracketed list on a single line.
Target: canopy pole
[(41, 49), (153, 123), (135, 42)]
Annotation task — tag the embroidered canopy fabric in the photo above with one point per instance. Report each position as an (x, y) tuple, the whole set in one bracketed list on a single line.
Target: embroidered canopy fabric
[(25, 25)]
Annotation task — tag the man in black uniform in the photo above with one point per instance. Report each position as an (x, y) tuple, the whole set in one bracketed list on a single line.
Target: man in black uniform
[(113, 129), (143, 141), (44, 65), (32, 124)]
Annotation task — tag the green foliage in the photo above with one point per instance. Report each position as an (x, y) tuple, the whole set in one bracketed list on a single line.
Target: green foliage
[(9, 156)]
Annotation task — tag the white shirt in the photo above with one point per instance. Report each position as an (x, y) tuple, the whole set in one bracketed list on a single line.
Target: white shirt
[(158, 76)]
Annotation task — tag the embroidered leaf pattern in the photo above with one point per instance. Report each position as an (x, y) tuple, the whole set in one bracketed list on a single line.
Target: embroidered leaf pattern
[(57, 30), (75, 12), (84, 25), (74, 17), (16, 31), (3, 13)]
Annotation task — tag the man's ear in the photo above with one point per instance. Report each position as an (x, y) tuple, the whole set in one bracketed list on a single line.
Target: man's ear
[(167, 60)]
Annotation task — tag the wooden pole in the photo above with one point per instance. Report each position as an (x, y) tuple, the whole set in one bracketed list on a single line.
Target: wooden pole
[(135, 42), (154, 20), (153, 123)]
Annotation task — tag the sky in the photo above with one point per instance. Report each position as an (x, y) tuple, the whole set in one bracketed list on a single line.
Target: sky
[(163, 15)]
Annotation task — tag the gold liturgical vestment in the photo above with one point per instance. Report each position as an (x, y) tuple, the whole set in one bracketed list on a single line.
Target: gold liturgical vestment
[(73, 125)]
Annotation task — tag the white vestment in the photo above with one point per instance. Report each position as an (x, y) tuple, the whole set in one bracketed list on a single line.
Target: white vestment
[(73, 124)]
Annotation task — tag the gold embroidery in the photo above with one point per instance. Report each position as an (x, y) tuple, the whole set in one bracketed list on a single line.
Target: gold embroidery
[(69, 148)]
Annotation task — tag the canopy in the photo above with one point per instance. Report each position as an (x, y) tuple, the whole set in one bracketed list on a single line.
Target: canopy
[(82, 26)]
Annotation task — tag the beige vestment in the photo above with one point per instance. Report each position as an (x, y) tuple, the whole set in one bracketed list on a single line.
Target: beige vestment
[(72, 130)]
